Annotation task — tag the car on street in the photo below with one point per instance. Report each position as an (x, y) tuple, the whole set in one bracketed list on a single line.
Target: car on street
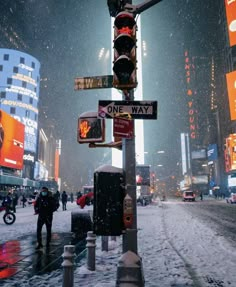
[(232, 198), (189, 195)]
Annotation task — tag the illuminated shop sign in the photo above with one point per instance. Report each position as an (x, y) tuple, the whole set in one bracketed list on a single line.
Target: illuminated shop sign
[(22, 91), (23, 66), (20, 104), (230, 6), (231, 87), (29, 157), (189, 67), (24, 78)]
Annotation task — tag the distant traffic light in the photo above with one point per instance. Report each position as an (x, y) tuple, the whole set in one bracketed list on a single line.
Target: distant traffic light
[(124, 64), (91, 129)]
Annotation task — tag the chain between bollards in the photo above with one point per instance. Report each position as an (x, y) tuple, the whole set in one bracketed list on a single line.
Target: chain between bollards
[(68, 266)]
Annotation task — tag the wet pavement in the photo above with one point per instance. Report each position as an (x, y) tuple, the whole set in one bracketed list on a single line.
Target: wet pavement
[(19, 258)]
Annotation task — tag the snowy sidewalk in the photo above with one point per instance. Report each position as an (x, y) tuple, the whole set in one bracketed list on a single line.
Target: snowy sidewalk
[(177, 249)]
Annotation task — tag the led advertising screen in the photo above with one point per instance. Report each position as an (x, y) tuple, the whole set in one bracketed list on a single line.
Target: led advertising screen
[(231, 86), (11, 141), (143, 175), (230, 6)]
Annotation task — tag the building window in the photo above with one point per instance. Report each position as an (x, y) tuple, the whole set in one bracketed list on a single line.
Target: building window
[(6, 57), (19, 97), (33, 65), (22, 60), (3, 95), (9, 81), (31, 101), (12, 110), (27, 114), (24, 84), (36, 117), (15, 70), (35, 89), (1, 68)]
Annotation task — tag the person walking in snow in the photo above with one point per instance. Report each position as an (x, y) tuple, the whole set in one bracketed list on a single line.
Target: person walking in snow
[(64, 198), (24, 200), (44, 206)]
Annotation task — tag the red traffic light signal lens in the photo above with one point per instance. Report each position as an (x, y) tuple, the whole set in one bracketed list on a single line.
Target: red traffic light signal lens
[(124, 19)]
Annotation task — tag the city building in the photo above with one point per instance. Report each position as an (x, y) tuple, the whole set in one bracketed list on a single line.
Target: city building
[(19, 95)]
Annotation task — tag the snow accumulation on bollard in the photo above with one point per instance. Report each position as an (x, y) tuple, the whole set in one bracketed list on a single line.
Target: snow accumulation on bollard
[(129, 271)]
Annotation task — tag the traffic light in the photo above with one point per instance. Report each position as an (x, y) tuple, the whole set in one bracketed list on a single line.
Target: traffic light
[(124, 64), (91, 129)]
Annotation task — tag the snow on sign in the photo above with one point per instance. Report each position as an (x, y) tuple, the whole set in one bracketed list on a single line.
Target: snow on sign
[(128, 109)]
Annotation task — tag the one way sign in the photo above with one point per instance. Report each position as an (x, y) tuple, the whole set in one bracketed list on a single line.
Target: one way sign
[(128, 109)]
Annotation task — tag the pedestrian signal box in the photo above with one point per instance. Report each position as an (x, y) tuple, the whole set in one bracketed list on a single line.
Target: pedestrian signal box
[(91, 129)]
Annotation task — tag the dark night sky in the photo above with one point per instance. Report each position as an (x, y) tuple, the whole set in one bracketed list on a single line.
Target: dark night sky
[(66, 36)]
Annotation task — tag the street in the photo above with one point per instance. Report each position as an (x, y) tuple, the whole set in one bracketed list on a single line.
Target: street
[(217, 214), (180, 243)]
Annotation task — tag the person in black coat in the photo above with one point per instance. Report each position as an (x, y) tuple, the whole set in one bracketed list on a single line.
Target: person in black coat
[(14, 200), (64, 198), (45, 205)]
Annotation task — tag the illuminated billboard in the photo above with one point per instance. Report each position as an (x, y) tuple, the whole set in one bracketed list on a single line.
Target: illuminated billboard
[(11, 141), (231, 86), (230, 152), (230, 6), (191, 95)]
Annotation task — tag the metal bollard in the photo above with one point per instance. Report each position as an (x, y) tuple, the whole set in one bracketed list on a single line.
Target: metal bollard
[(68, 266), (105, 243), (91, 245)]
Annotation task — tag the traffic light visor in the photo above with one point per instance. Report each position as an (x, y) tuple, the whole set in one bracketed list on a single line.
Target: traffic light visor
[(124, 44), (124, 19), (124, 68)]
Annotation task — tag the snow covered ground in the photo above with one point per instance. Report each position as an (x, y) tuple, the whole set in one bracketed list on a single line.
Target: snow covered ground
[(174, 252)]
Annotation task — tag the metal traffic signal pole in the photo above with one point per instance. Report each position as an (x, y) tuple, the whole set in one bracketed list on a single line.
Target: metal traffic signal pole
[(129, 270), (129, 166), (128, 147)]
